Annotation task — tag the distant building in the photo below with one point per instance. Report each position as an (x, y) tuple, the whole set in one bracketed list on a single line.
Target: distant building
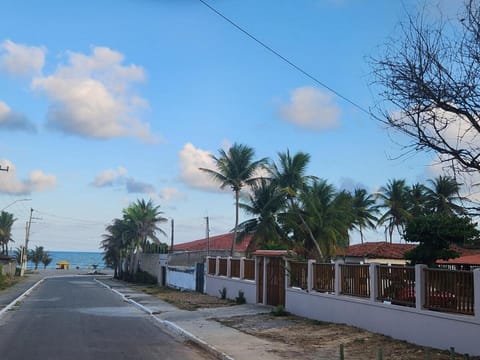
[(8, 264), (375, 252)]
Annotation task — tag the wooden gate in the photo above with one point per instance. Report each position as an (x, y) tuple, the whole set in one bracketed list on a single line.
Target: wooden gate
[(276, 281)]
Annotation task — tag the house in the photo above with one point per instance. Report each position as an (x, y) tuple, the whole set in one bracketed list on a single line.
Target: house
[(196, 251), (219, 243), (469, 259), (375, 252)]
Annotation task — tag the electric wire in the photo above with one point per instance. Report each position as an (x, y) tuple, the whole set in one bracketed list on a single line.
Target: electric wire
[(291, 63)]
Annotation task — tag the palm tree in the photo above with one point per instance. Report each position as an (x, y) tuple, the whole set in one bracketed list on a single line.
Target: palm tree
[(37, 255), (6, 222), (265, 203), (443, 195), (328, 214), (46, 259), (394, 198), (235, 168), (417, 198), (116, 243), (289, 176), (364, 209), (143, 218)]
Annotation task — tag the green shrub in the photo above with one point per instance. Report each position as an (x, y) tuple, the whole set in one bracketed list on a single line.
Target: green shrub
[(240, 299), (223, 293), (279, 311)]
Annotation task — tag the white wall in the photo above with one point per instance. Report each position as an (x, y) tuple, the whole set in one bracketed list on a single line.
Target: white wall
[(215, 284), (181, 277), (422, 327)]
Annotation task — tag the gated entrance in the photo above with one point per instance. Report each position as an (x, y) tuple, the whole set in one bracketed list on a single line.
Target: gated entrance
[(200, 277), (271, 268)]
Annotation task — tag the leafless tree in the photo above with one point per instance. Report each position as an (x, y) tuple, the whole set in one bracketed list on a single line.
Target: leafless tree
[(430, 82)]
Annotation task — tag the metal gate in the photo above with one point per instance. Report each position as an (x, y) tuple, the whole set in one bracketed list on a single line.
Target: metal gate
[(200, 277)]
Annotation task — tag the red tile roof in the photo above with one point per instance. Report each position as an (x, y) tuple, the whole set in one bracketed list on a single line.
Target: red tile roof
[(386, 250), (464, 260), (380, 250), (219, 242)]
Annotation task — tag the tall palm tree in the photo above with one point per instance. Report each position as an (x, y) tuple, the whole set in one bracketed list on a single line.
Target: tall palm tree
[(235, 168), (329, 215), (265, 203), (6, 222), (417, 198), (289, 176), (115, 245), (394, 199), (443, 195), (143, 218), (364, 209)]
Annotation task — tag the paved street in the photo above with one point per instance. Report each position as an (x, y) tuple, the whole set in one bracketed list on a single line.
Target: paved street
[(75, 318)]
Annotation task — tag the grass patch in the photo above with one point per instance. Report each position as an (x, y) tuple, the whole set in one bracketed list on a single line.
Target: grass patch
[(8, 281)]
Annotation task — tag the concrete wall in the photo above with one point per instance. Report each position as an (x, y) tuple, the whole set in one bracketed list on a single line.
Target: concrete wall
[(413, 324), (181, 277), (215, 284), (153, 263), (8, 267)]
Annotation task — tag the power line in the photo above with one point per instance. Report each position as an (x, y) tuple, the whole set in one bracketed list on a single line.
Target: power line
[(70, 218), (289, 62)]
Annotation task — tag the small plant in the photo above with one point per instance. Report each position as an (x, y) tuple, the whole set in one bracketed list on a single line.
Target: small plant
[(279, 311), (223, 293), (240, 299)]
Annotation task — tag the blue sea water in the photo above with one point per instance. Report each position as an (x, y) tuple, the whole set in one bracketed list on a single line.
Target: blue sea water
[(84, 260)]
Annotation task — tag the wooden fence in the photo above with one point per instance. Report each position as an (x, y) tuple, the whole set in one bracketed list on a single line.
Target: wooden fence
[(235, 268), (212, 266), (355, 280), (249, 269), (222, 267), (298, 274), (449, 291), (324, 277), (396, 284)]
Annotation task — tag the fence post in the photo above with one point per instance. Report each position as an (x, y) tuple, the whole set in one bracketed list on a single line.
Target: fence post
[(207, 265), (265, 260), (338, 281), (217, 265), (229, 266), (287, 274), (419, 286), (476, 293), (242, 267), (373, 282), (310, 275)]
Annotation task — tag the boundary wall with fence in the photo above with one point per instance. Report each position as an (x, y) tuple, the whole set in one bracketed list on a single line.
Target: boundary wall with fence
[(429, 307)]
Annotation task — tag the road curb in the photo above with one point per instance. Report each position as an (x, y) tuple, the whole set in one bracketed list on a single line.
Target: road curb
[(189, 336), (20, 298)]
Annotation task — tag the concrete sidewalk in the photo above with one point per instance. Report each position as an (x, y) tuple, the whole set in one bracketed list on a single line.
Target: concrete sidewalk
[(200, 326)]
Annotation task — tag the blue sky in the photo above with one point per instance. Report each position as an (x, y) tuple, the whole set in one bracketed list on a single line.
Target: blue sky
[(105, 102)]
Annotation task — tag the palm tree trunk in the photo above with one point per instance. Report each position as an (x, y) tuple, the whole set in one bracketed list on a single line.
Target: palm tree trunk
[(234, 240), (309, 231)]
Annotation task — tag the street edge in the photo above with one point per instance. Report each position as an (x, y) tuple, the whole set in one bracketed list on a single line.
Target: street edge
[(204, 345)]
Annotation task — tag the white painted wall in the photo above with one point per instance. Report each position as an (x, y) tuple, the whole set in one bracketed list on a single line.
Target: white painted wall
[(215, 284), (181, 277), (422, 327)]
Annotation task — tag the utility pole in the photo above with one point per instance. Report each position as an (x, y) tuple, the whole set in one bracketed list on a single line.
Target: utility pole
[(25, 248), (207, 234), (4, 169)]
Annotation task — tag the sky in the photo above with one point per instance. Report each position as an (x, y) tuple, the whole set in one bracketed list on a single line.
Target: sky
[(106, 102)]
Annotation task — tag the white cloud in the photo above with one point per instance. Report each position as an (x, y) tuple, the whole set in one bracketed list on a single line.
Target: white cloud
[(109, 177), (191, 159), (92, 96), (37, 181), (169, 193), (12, 120), (137, 187), (311, 108), (21, 60)]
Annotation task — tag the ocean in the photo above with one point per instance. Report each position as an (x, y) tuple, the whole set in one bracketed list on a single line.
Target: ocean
[(84, 260)]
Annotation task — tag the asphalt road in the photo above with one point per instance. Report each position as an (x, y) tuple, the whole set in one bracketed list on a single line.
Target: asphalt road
[(75, 318)]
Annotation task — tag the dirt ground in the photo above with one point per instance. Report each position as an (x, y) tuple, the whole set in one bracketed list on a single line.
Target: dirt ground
[(308, 339)]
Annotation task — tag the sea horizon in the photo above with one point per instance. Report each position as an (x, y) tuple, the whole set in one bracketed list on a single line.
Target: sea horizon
[(85, 260)]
